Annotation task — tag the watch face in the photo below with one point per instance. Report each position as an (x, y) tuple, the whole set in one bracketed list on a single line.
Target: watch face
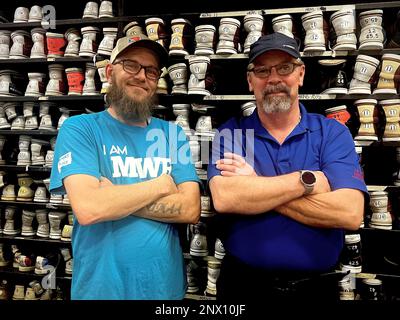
[(308, 177)]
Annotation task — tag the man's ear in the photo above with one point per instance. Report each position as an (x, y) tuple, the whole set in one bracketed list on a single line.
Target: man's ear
[(249, 82), (301, 76), (109, 71)]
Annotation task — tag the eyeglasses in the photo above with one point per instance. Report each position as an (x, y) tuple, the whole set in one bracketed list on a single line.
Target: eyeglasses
[(283, 69), (133, 67)]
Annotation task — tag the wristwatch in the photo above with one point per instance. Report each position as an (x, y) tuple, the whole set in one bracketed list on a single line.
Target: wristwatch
[(308, 179)]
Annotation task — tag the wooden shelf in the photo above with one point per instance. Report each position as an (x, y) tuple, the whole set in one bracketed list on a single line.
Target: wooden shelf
[(364, 275), (301, 10), (223, 97), (96, 97), (369, 229), (28, 168), (64, 22), (193, 296), (205, 258), (230, 13), (15, 272), (303, 96), (48, 205), (35, 239), (307, 9), (274, 11), (28, 132), (17, 99), (46, 60)]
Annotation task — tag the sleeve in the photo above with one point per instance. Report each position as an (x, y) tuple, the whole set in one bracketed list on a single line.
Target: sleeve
[(183, 169), (339, 160), (75, 153)]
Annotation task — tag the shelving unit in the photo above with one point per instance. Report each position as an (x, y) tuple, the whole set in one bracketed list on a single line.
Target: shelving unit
[(33, 239), (226, 104), (30, 275), (45, 60), (47, 205), (28, 168), (29, 132)]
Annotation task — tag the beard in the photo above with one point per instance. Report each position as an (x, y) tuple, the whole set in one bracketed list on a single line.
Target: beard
[(276, 104), (128, 109)]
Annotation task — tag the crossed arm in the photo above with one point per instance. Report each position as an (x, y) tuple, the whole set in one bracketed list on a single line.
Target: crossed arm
[(240, 190), (158, 199)]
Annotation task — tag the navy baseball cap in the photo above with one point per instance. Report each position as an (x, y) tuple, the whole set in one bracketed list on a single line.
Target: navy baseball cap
[(274, 41)]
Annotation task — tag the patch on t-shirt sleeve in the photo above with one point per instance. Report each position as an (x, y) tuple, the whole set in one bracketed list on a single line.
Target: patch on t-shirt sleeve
[(64, 160)]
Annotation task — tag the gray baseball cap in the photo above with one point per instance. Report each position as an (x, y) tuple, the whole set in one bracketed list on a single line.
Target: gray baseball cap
[(139, 40)]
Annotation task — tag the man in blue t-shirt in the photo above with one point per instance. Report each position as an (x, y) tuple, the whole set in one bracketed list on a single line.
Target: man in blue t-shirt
[(129, 178), (286, 183)]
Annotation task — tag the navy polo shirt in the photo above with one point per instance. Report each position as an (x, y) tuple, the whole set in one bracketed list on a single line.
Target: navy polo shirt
[(272, 240)]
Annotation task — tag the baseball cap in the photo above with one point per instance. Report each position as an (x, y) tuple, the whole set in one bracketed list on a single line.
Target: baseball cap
[(274, 41), (139, 40)]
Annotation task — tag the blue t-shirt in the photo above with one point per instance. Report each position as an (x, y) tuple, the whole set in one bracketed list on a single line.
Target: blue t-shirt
[(130, 258), (272, 240)]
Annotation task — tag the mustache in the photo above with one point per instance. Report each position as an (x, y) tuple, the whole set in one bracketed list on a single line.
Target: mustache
[(128, 108), (137, 84), (276, 89)]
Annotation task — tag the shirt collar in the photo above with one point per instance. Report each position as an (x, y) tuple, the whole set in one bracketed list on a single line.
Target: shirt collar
[(308, 120), (306, 123)]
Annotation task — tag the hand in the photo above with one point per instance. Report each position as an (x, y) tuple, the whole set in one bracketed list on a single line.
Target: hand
[(168, 183), (234, 165), (322, 184)]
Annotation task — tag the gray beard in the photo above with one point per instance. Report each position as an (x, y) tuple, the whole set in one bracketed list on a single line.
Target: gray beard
[(276, 104), (128, 109)]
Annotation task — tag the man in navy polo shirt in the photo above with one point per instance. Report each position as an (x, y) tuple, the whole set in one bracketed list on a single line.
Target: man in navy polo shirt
[(286, 183)]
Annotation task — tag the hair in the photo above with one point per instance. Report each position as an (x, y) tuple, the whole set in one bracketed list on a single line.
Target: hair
[(127, 108)]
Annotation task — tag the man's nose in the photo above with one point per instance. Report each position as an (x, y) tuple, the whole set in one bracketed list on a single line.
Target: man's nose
[(141, 74), (274, 74), (274, 77)]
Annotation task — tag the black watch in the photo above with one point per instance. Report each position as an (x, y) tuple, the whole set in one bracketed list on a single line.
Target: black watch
[(308, 179)]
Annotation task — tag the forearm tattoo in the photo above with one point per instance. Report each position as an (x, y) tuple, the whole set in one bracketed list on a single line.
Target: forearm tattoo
[(163, 209)]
